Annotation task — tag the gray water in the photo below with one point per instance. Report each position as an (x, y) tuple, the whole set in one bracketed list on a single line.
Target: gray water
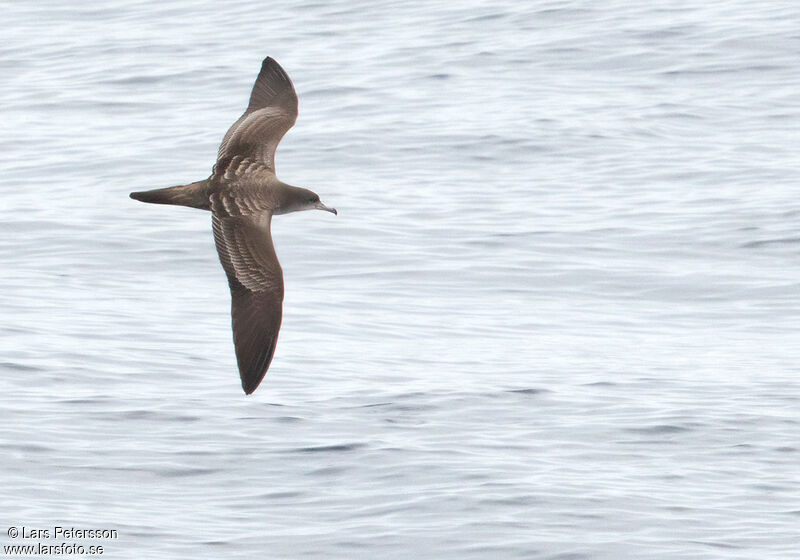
[(556, 317)]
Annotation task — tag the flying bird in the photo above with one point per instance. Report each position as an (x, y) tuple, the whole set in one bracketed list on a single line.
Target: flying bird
[(243, 193)]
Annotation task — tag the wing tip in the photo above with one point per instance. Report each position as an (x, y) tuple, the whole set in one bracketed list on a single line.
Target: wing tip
[(273, 87), (253, 371), (271, 63), (250, 384), (249, 390)]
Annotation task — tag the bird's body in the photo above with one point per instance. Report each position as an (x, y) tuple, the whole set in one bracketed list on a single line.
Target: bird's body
[(243, 193)]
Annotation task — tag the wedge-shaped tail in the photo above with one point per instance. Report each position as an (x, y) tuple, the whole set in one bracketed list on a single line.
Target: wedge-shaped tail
[(194, 195)]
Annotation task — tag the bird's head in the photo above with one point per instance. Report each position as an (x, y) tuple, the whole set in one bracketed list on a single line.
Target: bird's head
[(296, 199)]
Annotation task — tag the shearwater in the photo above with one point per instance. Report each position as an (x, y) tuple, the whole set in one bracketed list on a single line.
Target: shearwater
[(243, 193)]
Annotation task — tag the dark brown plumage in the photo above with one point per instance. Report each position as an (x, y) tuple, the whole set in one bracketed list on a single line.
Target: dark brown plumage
[(243, 194)]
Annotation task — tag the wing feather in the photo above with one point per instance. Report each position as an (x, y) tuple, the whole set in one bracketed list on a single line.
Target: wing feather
[(271, 112), (255, 278)]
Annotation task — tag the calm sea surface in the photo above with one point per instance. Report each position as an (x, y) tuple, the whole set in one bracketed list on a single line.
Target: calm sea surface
[(556, 318)]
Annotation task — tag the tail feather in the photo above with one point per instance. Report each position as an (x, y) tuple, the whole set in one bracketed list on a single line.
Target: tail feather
[(194, 195)]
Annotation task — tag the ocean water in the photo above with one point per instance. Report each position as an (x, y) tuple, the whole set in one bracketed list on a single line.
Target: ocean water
[(556, 316)]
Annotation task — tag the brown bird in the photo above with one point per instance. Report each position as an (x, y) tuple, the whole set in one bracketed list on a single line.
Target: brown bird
[(243, 194)]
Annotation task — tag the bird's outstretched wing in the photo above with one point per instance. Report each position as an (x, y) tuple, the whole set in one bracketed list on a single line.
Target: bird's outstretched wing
[(271, 112), (255, 278)]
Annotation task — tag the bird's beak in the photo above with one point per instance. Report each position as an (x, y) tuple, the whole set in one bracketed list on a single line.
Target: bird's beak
[(320, 206)]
